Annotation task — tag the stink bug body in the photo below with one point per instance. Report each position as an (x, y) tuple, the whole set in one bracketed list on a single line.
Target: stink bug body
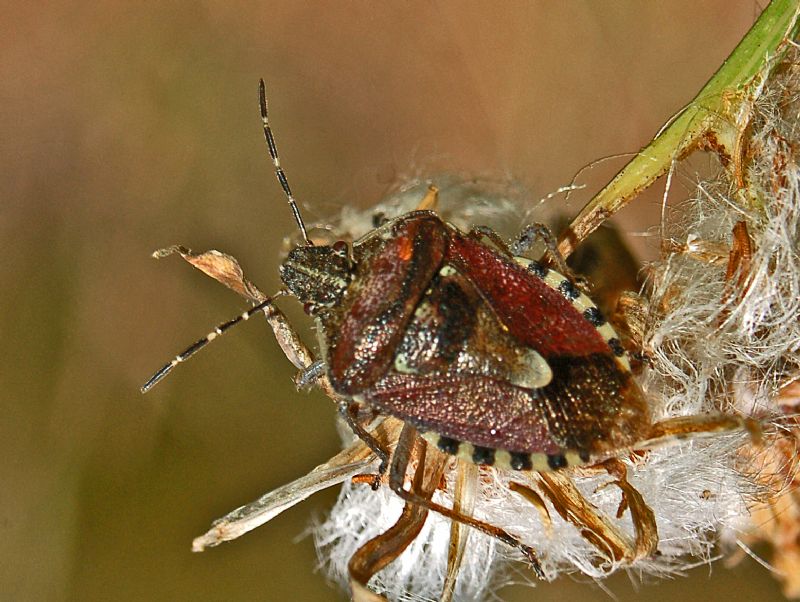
[(495, 358), (492, 357)]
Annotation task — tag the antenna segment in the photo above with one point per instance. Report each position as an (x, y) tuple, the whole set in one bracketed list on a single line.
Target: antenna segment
[(273, 152)]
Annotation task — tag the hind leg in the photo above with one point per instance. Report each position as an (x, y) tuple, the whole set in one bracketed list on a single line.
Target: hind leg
[(397, 479)]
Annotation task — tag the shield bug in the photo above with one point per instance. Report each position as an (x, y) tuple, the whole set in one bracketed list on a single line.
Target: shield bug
[(490, 356)]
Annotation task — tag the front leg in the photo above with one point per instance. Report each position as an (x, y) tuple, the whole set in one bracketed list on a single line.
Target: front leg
[(479, 232), (526, 239), (309, 375)]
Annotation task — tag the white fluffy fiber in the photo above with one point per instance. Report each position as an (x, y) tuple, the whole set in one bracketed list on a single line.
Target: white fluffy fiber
[(711, 351)]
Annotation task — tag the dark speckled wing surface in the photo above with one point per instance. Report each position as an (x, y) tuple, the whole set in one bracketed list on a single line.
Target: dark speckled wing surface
[(479, 409), (381, 301), (496, 317), (485, 411)]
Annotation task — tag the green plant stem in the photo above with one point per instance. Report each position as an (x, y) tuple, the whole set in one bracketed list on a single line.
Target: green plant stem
[(715, 118)]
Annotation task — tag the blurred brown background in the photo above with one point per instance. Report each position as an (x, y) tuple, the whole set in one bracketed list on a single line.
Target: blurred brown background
[(130, 126)]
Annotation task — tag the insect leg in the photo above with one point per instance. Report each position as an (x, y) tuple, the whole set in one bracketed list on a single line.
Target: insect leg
[(312, 371), (632, 315), (668, 431), (349, 412), (307, 376), (386, 547), (494, 238), (397, 474), (528, 237)]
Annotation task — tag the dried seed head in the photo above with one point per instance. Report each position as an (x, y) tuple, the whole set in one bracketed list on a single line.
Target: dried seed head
[(721, 335)]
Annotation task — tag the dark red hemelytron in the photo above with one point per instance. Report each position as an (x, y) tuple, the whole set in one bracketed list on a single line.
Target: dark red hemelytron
[(494, 358)]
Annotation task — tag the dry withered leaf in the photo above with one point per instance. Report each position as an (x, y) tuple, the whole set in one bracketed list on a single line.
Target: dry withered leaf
[(776, 519), (643, 518), (536, 500), (347, 463), (576, 509), (464, 496), (226, 269), (789, 394), (220, 266), (383, 549), (739, 260)]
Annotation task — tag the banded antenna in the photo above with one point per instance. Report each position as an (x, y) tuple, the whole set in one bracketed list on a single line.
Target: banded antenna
[(184, 355), (273, 152)]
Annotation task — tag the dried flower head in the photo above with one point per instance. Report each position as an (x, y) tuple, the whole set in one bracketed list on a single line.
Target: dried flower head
[(574, 521), (718, 326)]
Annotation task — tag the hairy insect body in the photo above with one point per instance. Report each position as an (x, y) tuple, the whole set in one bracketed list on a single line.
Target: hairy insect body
[(494, 358)]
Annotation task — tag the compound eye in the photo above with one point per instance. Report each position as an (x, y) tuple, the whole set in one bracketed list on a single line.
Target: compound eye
[(340, 247), (309, 308)]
